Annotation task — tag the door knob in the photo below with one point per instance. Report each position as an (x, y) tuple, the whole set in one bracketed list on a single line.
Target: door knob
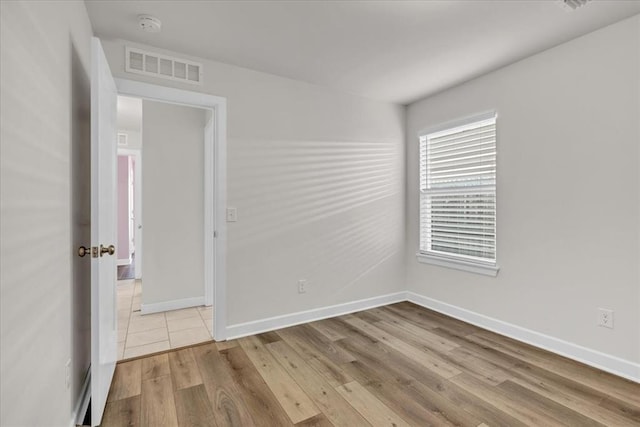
[(82, 251), (107, 250)]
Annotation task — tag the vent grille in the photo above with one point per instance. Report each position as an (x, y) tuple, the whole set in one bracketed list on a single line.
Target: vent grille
[(573, 4), (166, 67), (123, 139)]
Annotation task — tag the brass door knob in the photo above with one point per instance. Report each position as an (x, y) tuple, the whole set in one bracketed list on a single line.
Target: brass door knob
[(107, 250), (82, 251)]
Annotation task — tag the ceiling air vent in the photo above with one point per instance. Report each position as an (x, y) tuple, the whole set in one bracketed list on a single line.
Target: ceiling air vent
[(166, 67), (573, 4)]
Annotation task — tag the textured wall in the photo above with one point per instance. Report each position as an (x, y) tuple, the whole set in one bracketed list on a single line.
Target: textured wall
[(317, 178), (44, 176), (123, 208)]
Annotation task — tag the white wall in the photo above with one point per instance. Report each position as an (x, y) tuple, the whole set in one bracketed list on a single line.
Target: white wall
[(568, 192), (44, 198), (172, 200), (317, 178), (134, 139), (124, 210)]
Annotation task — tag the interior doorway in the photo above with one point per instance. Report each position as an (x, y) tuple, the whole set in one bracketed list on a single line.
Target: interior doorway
[(129, 231), (162, 303)]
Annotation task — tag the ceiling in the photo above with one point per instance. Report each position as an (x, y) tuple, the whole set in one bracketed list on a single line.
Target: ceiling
[(397, 51)]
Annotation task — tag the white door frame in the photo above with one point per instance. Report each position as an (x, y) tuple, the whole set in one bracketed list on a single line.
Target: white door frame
[(209, 192), (136, 153), (215, 167)]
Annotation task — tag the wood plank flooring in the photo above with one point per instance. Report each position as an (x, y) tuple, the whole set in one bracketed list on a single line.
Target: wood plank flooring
[(399, 365)]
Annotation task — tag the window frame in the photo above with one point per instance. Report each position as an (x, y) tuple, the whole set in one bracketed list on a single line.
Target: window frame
[(460, 262)]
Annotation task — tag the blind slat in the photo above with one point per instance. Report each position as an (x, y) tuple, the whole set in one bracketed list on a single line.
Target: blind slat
[(461, 135), (485, 141), (483, 159), (479, 150)]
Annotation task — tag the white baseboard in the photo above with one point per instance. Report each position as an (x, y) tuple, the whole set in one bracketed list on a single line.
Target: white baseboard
[(171, 305), (278, 322), (82, 404), (612, 364), (124, 261), (606, 362)]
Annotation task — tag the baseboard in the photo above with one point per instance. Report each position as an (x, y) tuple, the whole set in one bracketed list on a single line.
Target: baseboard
[(612, 364), (82, 404), (124, 261), (171, 305), (278, 322)]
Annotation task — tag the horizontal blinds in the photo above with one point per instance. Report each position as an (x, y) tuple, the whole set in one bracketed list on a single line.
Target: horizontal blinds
[(458, 197), (463, 158)]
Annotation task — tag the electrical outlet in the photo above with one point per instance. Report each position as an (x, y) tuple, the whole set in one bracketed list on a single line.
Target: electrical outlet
[(302, 286), (605, 318), (232, 214), (67, 377)]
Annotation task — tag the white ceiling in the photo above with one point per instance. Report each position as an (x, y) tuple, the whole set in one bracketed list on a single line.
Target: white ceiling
[(396, 51)]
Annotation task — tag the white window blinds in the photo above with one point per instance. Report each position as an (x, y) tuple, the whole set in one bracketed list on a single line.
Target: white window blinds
[(458, 191)]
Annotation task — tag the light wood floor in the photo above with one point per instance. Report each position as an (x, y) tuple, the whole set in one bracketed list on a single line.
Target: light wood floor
[(394, 366)]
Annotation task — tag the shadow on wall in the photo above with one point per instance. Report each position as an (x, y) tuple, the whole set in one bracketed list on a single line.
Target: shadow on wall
[(80, 127), (285, 184), (327, 211)]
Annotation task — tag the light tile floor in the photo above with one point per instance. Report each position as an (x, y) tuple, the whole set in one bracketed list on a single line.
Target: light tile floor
[(145, 334)]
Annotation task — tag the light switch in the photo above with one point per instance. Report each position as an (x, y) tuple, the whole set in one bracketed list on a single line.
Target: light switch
[(232, 214)]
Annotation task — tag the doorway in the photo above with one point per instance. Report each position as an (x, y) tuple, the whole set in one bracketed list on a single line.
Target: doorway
[(161, 179), (129, 189)]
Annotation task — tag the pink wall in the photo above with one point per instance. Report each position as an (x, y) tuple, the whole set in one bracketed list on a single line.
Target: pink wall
[(123, 207)]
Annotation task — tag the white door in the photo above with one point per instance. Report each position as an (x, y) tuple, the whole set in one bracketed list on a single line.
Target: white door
[(103, 230)]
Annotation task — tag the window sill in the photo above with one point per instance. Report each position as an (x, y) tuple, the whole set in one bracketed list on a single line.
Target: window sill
[(471, 267)]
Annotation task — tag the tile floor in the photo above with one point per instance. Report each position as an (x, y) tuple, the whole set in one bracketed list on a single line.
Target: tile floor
[(144, 334)]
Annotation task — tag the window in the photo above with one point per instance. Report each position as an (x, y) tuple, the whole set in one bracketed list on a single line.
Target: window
[(458, 195)]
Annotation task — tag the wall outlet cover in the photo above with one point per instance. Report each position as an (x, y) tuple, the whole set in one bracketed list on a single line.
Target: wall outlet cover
[(232, 214), (302, 286), (605, 318)]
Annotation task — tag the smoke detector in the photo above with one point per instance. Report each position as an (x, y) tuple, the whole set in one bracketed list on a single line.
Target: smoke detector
[(149, 23), (573, 4)]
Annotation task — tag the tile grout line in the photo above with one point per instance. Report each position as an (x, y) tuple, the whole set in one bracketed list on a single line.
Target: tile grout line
[(205, 324), (166, 325), (126, 335), (131, 311)]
